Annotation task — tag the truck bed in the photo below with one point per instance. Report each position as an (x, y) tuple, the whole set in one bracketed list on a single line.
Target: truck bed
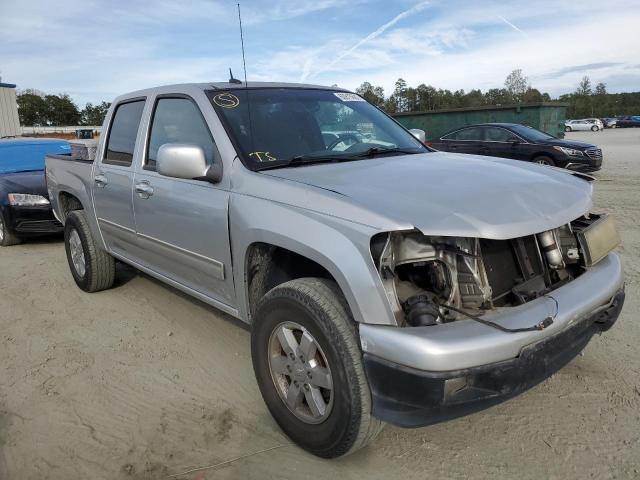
[(68, 177)]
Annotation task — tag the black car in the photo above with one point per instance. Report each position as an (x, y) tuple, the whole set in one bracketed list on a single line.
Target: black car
[(511, 140), (629, 121), (24, 203)]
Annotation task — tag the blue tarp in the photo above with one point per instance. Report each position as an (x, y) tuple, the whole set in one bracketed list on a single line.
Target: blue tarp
[(23, 155)]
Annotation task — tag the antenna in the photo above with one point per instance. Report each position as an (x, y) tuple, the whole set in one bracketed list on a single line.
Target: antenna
[(244, 64), (231, 79)]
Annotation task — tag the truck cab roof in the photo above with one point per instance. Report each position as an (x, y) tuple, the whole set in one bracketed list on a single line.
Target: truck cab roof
[(186, 87)]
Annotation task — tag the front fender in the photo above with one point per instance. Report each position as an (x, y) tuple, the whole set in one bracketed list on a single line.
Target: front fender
[(341, 247)]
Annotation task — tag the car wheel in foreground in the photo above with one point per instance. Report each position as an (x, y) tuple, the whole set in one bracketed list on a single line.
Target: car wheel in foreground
[(308, 365), (543, 160), (567, 129), (93, 269), (595, 128), (6, 237)]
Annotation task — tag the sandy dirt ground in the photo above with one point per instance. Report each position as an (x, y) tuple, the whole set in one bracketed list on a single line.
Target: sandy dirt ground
[(143, 382)]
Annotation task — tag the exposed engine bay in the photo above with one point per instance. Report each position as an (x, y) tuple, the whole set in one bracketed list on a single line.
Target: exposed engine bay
[(432, 280)]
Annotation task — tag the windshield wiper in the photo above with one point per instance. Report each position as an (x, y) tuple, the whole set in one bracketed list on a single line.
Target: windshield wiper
[(373, 151), (310, 159)]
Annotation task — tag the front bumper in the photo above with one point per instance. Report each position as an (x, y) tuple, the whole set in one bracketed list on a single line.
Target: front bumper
[(584, 167), (408, 397), (444, 352), (24, 221)]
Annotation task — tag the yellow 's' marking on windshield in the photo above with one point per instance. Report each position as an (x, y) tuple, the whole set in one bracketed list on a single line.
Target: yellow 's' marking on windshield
[(226, 100), (263, 156)]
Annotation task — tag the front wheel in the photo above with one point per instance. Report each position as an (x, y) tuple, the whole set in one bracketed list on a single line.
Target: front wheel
[(567, 129), (543, 160), (92, 268), (308, 365), (6, 237), (594, 128)]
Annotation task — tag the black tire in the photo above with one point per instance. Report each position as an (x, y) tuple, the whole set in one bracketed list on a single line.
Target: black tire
[(567, 129), (595, 128), (100, 268), (544, 160), (7, 238), (318, 306)]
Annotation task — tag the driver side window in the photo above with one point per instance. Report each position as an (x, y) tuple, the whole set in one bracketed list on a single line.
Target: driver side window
[(178, 120)]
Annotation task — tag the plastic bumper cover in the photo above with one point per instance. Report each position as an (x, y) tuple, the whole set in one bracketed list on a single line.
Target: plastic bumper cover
[(408, 397), (33, 220), (466, 343)]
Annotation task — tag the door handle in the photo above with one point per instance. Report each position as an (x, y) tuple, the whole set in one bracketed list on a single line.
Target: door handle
[(100, 180), (144, 190)]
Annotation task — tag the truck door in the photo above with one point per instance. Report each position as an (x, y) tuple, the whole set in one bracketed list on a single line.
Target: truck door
[(182, 225), (113, 179)]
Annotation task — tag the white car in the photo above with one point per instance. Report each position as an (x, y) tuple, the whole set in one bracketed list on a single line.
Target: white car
[(593, 124)]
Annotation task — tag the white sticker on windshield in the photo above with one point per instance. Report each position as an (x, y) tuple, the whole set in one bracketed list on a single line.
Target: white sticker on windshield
[(349, 97)]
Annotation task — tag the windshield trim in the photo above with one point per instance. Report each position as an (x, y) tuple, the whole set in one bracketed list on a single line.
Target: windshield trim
[(285, 163)]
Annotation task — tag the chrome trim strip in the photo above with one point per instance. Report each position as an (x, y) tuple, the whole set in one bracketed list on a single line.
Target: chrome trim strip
[(219, 266), (116, 225), (194, 293)]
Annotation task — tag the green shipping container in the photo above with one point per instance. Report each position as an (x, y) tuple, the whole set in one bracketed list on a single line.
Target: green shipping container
[(548, 117)]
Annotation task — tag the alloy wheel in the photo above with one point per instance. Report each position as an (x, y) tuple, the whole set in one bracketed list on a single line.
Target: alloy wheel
[(77, 253), (300, 372), (1, 229)]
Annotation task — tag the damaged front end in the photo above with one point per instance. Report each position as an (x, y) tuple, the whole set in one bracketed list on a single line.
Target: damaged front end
[(431, 280), (482, 320)]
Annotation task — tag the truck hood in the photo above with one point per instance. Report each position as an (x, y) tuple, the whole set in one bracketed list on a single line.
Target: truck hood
[(453, 194)]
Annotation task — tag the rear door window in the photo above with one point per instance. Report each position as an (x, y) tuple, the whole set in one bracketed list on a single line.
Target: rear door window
[(123, 133)]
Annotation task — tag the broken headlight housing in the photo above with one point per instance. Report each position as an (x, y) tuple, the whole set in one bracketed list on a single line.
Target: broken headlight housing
[(419, 272)]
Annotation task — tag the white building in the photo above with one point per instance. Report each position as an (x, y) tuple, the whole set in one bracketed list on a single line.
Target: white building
[(9, 121)]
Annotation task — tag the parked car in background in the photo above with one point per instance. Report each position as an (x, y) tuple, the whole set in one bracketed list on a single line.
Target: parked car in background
[(629, 121), (596, 121), (397, 284), (24, 204), (520, 142), (610, 122), (582, 125)]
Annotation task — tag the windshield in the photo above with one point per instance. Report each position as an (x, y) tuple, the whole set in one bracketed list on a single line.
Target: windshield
[(273, 127), (531, 134)]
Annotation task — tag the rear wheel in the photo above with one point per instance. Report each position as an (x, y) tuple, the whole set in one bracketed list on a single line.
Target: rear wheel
[(595, 128), (308, 365), (93, 269), (6, 237), (567, 129), (544, 160)]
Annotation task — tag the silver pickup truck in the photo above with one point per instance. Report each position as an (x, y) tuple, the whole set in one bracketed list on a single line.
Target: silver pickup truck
[(383, 281)]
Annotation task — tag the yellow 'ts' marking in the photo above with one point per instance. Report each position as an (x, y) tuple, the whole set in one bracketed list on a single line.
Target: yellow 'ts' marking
[(263, 156), (226, 100)]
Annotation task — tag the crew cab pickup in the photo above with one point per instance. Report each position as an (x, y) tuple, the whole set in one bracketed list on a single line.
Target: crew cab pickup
[(384, 282)]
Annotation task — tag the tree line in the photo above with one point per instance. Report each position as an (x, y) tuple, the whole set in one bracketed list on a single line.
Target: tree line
[(585, 101), (37, 109)]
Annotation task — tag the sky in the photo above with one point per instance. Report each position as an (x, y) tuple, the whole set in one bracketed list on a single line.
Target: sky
[(95, 50)]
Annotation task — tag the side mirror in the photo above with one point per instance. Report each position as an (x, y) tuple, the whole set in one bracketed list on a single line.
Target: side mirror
[(419, 134), (179, 160)]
